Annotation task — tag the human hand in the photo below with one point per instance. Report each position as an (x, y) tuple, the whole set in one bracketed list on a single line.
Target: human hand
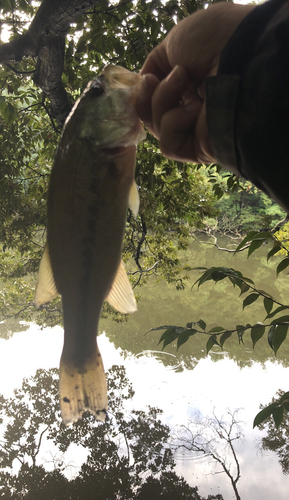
[(172, 98)]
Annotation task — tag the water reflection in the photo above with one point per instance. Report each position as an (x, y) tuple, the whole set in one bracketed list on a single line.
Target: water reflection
[(169, 360), (277, 440), (128, 457), (210, 386), (7, 328), (181, 383), (216, 438), (217, 304)]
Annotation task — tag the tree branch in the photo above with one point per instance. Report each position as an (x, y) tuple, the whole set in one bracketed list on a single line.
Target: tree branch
[(45, 40)]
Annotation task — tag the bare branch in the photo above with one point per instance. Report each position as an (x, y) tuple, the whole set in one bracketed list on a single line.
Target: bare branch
[(203, 436)]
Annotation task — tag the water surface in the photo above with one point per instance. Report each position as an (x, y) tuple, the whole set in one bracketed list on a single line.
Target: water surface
[(187, 384)]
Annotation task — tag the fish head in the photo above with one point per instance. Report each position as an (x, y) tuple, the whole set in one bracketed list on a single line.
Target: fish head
[(105, 114)]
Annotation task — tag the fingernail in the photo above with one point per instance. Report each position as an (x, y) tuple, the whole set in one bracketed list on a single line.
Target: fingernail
[(144, 84)]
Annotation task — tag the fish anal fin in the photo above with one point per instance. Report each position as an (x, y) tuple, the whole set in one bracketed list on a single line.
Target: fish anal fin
[(133, 199), (82, 389), (45, 289), (121, 295)]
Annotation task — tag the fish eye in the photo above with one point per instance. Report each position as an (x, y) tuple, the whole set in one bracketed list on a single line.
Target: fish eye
[(96, 91)]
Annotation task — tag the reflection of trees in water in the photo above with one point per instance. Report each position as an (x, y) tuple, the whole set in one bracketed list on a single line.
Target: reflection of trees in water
[(277, 440), (213, 437), (10, 326), (128, 457)]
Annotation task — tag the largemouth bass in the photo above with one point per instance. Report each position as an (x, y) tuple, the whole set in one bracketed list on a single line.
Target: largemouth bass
[(91, 185)]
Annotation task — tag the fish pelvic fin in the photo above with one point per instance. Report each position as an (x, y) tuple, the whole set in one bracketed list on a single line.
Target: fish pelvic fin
[(133, 199), (121, 295), (45, 289), (83, 389)]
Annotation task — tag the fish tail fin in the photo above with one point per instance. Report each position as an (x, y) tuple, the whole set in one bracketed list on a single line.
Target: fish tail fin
[(82, 388)]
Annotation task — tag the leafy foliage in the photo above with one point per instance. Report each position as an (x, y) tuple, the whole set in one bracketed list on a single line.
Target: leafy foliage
[(283, 235), (241, 206), (277, 428), (276, 409), (174, 197)]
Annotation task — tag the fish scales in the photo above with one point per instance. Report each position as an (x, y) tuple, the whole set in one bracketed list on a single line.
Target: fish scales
[(92, 182), (90, 225)]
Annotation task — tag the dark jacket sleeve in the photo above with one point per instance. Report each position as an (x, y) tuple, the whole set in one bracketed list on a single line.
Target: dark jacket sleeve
[(248, 101)]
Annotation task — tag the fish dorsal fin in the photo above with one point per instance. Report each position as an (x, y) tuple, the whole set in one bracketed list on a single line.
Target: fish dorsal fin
[(121, 295), (133, 199), (45, 289)]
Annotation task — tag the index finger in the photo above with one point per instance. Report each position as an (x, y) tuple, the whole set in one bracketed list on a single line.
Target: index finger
[(157, 62)]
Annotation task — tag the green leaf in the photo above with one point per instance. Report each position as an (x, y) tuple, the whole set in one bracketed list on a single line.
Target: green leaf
[(216, 329), (202, 324), (270, 336), (264, 414), (257, 333), (168, 336), (248, 280), (277, 310), (207, 275), (268, 304), (254, 246), (282, 265), (211, 342), (163, 327), (254, 236), (250, 299), (224, 337), (285, 397), (281, 319), (276, 248), (247, 238), (264, 235), (279, 335), (244, 288), (218, 276), (278, 415), (184, 337)]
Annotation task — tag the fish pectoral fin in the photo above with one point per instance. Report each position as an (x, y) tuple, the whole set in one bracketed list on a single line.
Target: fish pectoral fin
[(121, 295), (45, 289), (133, 199), (83, 388)]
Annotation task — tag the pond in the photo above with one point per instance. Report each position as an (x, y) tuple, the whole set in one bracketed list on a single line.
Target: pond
[(198, 394)]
